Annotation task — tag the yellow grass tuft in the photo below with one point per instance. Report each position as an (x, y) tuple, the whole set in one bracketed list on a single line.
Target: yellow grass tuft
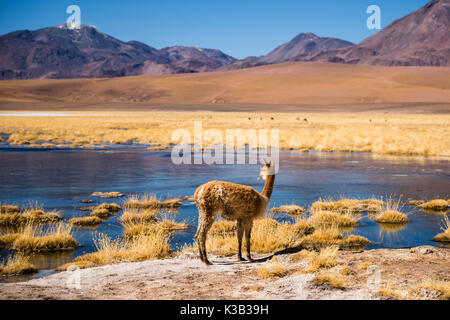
[(105, 210), (56, 237), (86, 221), (444, 236), (324, 259), (325, 218), (108, 195), (289, 209), (223, 227), (5, 208), (440, 288), (150, 201), (17, 264), (11, 217), (328, 278), (145, 216), (392, 217), (435, 205), (153, 245), (364, 266), (276, 270), (331, 236), (342, 205)]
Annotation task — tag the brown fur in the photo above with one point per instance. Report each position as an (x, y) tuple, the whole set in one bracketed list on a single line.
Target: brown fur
[(234, 202)]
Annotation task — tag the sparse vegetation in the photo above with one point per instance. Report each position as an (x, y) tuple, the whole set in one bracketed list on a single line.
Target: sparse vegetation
[(8, 209), (149, 246), (89, 221), (150, 201), (324, 218), (329, 278), (435, 205), (105, 210), (12, 217), (268, 236), (445, 235), (32, 238), (392, 217), (441, 289), (342, 205), (143, 216), (324, 259), (108, 195), (292, 210), (17, 264), (273, 270), (332, 236)]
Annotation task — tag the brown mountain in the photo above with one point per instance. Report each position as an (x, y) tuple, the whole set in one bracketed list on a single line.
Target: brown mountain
[(302, 44), (59, 52), (422, 38)]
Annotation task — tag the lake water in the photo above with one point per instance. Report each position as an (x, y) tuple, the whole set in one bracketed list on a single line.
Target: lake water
[(58, 179)]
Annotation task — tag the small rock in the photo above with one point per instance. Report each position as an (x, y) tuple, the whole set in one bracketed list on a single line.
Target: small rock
[(425, 251)]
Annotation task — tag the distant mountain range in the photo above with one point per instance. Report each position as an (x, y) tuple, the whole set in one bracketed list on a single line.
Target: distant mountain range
[(419, 39)]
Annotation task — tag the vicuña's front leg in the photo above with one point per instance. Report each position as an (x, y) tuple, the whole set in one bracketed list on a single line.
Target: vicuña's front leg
[(248, 233), (240, 233)]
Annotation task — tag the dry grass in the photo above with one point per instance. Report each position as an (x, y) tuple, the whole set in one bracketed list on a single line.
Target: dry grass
[(435, 205), (150, 201), (274, 270), (57, 237), (292, 210), (105, 210), (5, 208), (149, 246), (17, 264), (108, 195), (324, 218), (392, 217), (439, 289), (342, 205), (143, 216), (326, 258), (90, 221), (445, 235), (331, 279), (377, 133), (332, 236), (391, 213), (35, 216), (268, 236)]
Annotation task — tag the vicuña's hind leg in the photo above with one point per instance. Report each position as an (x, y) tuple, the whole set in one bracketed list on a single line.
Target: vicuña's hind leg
[(248, 225), (205, 221), (240, 233)]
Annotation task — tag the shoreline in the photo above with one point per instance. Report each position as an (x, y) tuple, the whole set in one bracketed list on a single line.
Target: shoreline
[(185, 277)]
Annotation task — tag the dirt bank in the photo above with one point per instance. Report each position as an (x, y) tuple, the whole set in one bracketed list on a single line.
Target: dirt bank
[(185, 277)]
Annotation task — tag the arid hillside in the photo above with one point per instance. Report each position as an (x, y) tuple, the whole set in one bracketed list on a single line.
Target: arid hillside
[(293, 83)]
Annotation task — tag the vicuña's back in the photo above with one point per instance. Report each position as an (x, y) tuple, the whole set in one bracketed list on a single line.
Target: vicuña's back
[(233, 202)]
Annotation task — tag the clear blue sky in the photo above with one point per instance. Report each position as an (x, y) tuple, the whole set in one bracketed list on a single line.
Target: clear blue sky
[(238, 27)]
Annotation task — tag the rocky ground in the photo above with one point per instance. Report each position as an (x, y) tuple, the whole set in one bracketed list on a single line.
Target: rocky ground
[(185, 277)]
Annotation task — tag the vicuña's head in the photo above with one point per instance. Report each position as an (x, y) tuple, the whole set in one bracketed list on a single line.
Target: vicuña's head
[(267, 170)]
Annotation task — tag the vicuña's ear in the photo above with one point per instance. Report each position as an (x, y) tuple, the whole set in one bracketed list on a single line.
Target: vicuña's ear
[(265, 161), (272, 163)]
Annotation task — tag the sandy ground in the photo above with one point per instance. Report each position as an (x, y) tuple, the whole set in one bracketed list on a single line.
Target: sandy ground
[(105, 108), (185, 277)]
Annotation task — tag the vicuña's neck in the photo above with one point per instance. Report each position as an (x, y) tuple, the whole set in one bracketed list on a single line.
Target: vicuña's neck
[(268, 187)]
